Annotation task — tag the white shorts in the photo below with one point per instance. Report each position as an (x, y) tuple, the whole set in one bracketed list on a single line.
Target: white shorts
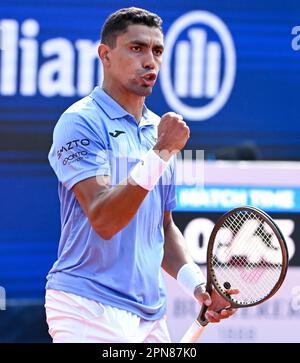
[(75, 319)]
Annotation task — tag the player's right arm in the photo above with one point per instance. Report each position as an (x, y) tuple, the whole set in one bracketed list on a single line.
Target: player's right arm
[(110, 209)]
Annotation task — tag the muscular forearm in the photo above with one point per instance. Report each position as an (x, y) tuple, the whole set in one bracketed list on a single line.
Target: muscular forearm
[(175, 250), (114, 208)]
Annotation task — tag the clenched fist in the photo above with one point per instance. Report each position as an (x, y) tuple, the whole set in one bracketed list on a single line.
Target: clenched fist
[(173, 134)]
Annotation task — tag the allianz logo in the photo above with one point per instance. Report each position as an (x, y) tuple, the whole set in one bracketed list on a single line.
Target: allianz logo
[(197, 75), (50, 68)]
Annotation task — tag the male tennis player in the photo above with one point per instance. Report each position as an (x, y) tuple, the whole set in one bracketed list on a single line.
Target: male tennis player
[(114, 160)]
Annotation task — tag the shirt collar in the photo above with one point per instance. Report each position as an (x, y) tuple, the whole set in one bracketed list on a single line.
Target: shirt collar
[(113, 110)]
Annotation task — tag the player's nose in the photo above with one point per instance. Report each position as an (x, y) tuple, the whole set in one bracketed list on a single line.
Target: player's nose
[(149, 61)]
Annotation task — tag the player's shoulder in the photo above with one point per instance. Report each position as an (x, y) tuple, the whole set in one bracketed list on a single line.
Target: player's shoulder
[(83, 105), (83, 109), (80, 114)]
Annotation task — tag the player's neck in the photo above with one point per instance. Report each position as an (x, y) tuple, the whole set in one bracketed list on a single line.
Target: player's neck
[(133, 104)]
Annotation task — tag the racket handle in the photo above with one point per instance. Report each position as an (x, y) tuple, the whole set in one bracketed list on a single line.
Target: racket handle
[(201, 317), (193, 333)]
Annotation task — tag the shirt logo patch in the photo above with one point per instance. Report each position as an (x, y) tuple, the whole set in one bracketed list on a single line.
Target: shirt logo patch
[(71, 145), (116, 133)]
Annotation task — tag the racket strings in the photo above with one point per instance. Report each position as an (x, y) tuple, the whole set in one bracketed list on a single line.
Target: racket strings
[(237, 223), (250, 231), (247, 272), (252, 250), (234, 226), (241, 257)]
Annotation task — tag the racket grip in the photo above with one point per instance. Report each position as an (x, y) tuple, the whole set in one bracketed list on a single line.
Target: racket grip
[(193, 333), (201, 317)]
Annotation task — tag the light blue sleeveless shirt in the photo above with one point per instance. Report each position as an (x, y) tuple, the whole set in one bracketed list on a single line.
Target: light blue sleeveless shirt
[(96, 136)]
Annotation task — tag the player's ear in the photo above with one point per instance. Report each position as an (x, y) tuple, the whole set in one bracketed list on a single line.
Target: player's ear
[(103, 52)]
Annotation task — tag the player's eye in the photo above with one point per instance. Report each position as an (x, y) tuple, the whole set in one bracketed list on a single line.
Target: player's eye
[(157, 52), (136, 48)]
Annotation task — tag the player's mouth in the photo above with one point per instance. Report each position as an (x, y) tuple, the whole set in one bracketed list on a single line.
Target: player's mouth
[(149, 79)]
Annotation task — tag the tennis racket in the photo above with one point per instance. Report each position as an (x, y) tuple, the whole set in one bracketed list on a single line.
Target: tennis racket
[(246, 251)]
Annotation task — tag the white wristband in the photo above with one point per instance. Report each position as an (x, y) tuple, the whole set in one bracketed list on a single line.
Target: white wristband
[(189, 277), (148, 171)]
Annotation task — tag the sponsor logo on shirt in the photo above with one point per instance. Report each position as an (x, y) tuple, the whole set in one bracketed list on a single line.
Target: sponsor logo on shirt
[(75, 157), (116, 133), (71, 145)]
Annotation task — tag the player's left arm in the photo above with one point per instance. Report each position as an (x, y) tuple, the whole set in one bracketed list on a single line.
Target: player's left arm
[(175, 250), (176, 255)]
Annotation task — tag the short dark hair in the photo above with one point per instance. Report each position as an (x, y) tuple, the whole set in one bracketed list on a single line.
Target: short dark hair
[(118, 22)]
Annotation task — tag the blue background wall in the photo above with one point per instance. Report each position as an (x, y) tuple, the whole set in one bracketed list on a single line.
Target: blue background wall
[(263, 103)]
